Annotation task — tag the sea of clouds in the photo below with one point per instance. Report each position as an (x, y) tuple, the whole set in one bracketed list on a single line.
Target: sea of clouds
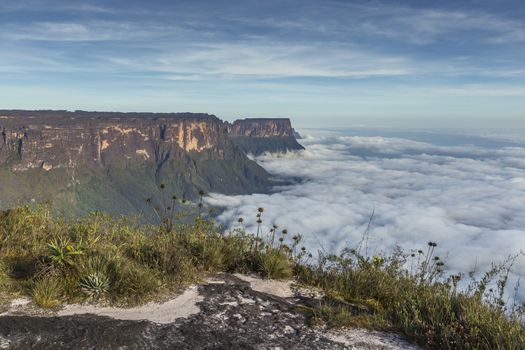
[(466, 193)]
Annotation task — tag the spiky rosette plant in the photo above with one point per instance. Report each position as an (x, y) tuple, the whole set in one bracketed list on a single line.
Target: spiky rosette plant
[(94, 284)]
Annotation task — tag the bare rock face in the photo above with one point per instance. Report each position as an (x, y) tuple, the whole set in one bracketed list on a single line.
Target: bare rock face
[(50, 140), (260, 135), (262, 128)]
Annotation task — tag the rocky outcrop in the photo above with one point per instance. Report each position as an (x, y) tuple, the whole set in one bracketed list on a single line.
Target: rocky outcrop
[(230, 314), (260, 135), (114, 161)]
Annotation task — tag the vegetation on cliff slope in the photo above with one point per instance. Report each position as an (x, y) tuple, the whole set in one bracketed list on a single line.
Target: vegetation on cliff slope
[(101, 259)]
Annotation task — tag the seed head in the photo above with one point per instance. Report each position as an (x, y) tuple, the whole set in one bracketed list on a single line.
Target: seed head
[(260, 210)]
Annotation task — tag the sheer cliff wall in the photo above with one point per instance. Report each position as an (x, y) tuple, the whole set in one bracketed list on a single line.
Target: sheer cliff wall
[(69, 140), (260, 135)]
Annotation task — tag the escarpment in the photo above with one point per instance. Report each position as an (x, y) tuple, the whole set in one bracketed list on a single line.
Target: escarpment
[(72, 140), (259, 135), (114, 161)]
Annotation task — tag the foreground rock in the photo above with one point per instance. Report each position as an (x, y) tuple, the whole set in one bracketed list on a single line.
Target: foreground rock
[(232, 316)]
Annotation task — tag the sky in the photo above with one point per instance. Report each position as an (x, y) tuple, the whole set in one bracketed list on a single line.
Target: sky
[(334, 63), (467, 195)]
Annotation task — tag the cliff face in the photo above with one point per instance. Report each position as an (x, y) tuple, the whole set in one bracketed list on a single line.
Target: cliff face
[(71, 140), (113, 161), (262, 128), (257, 136)]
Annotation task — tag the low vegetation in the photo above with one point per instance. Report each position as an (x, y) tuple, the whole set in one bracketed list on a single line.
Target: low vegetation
[(118, 261)]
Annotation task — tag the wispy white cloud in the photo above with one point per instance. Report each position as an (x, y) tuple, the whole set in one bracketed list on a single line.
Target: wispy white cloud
[(420, 26), (90, 30), (425, 26), (276, 59), (350, 45)]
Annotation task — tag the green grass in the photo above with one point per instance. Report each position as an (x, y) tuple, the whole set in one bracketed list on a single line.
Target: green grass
[(121, 262)]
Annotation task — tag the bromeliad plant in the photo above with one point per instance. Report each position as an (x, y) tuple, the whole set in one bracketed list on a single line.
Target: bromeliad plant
[(63, 253), (95, 284)]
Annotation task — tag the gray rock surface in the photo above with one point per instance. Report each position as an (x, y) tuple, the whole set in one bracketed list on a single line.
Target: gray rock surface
[(232, 316)]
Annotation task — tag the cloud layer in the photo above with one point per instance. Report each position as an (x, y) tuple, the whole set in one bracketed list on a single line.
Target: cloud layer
[(468, 198)]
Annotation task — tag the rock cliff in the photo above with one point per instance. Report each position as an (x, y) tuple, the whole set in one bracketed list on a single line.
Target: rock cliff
[(112, 161), (259, 135), (50, 140)]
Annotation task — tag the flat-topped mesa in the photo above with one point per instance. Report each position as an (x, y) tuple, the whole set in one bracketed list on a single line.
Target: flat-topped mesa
[(260, 135), (262, 127), (61, 139), (107, 161)]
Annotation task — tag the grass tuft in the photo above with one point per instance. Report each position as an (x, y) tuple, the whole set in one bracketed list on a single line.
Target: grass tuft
[(47, 291)]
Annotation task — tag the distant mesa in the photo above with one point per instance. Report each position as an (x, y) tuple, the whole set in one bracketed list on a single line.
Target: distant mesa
[(260, 135)]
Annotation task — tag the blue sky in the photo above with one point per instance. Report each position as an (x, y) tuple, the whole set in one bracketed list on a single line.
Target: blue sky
[(323, 63)]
